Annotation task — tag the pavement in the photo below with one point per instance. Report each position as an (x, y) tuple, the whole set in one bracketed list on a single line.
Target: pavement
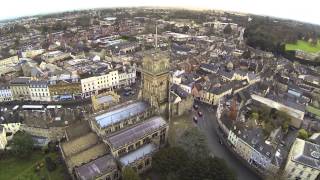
[(208, 125)]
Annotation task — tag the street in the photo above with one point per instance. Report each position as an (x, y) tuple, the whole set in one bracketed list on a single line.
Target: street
[(208, 125)]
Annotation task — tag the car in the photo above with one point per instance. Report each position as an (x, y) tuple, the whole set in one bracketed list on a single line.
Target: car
[(195, 119), (127, 89), (200, 113), (132, 92), (195, 106), (127, 94)]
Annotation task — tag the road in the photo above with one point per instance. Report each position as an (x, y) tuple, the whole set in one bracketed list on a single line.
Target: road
[(208, 125)]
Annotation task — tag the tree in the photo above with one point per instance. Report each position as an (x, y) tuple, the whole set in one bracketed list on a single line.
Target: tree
[(254, 115), (227, 29), (169, 160), (129, 174), (208, 168), (194, 143), (173, 163), (22, 144), (51, 166), (83, 21), (303, 134), (246, 54)]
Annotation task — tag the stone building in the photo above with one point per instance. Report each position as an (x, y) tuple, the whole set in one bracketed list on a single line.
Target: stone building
[(303, 160), (5, 93), (39, 91), (64, 88), (120, 117), (134, 147), (104, 167), (3, 138), (155, 80), (20, 88), (104, 100), (181, 101)]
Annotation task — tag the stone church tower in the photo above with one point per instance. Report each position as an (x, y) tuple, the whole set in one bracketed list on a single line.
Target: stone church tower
[(155, 80)]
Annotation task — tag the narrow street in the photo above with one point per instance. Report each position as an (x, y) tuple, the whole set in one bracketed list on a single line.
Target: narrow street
[(208, 125)]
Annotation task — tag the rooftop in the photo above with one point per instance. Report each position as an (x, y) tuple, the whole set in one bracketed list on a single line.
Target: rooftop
[(122, 113), (271, 103), (135, 133), (79, 144), (96, 168), (306, 153), (105, 99), (134, 155), (87, 155)]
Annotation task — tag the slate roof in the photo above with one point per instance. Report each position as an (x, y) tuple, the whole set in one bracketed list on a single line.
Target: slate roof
[(21, 80), (121, 113), (306, 153), (96, 168), (137, 132), (137, 154), (179, 91)]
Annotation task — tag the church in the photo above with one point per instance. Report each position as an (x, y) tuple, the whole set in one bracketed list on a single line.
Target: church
[(125, 134)]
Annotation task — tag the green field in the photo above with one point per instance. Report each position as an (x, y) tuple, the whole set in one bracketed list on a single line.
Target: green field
[(18, 169), (304, 46)]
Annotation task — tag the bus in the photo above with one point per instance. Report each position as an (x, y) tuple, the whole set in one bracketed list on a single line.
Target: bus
[(54, 106), (33, 107)]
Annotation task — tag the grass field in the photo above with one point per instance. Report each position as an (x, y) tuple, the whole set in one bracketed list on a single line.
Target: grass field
[(18, 169), (304, 46)]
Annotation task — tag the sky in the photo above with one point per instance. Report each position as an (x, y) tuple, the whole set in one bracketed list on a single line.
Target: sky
[(306, 10)]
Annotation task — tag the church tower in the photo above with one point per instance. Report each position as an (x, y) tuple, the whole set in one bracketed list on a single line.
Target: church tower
[(155, 80)]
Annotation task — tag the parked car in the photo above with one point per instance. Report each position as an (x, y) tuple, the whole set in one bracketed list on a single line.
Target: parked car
[(127, 89), (195, 119), (200, 113), (195, 106), (127, 93)]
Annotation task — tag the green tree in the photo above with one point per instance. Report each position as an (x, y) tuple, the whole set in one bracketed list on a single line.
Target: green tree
[(303, 134), (169, 160), (208, 168), (227, 29), (254, 115), (50, 164), (129, 174), (194, 143), (83, 21), (22, 144)]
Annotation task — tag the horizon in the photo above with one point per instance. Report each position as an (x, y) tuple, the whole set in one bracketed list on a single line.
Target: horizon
[(11, 11)]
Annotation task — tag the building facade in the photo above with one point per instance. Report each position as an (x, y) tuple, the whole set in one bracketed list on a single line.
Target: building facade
[(64, 88), (136, 151), (5, 93), (39, 91), (303, 160), (20, 88), (92, 85), (155, 80)]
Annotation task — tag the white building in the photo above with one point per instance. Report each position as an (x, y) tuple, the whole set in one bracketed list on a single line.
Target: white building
[(39, 91), (92, 85), (303, 160), (127, 77), (5, 93)]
